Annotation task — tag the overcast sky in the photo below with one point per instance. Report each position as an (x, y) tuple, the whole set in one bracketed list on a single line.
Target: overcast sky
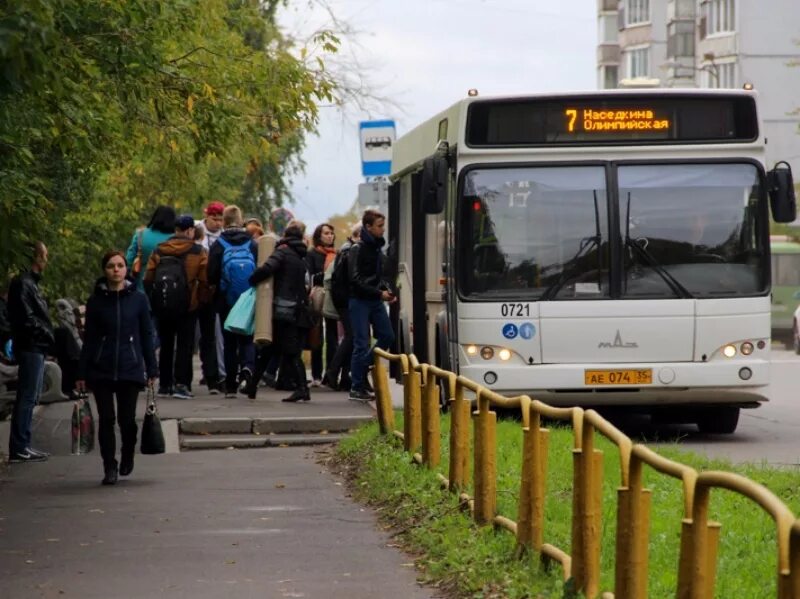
[(425, 55)]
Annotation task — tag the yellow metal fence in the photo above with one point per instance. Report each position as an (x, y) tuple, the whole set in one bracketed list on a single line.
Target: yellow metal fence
[(699, 535)]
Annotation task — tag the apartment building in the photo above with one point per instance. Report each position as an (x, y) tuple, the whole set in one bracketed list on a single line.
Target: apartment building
[(714, 44)]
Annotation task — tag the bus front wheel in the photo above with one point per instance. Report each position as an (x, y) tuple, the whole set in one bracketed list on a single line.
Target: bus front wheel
[(718, 421)]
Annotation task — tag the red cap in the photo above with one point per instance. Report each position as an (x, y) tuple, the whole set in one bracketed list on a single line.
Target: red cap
[(214, 208)]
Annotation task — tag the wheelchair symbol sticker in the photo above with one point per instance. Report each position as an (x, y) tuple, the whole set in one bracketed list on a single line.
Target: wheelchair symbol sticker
[(527, 330), (510, 331)]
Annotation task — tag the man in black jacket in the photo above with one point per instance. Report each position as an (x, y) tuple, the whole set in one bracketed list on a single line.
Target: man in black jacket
[(32, 335), (368, 292)]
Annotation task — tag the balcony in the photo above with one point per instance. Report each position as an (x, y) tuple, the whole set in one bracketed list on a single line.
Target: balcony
[(608, 54), (607, 5)]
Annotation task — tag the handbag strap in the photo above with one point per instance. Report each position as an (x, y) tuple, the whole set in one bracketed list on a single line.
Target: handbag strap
[(151, 407)]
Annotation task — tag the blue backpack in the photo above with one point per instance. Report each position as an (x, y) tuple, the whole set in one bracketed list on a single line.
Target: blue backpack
[(237, 266)]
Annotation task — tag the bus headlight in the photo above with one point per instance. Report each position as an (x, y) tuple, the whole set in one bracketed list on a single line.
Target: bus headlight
[(746, 348), (504, 355), (487, 353), (472, 350), (729, 351)]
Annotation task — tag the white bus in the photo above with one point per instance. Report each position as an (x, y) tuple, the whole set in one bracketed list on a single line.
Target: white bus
[(604, 248)]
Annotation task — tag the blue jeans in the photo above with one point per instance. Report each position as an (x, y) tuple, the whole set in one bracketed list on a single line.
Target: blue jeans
[(362, 314), (29, 387)]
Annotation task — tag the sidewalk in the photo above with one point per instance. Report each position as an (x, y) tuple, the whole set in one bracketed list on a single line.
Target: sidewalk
[(254, 523)]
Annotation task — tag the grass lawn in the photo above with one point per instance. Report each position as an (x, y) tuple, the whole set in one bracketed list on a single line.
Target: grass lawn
[(468, 561)]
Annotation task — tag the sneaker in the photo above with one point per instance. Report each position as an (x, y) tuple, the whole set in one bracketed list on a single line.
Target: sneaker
[(25, 456), (269, 380), (164, 392), (245, 376), (316, 383), (182, 392), (360, 395), (38, 452)]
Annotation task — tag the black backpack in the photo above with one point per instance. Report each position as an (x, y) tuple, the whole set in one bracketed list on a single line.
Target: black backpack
[(169, 295), (340, 281)]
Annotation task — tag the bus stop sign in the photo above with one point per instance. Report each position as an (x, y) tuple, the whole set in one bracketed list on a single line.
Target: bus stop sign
[(377, 138)]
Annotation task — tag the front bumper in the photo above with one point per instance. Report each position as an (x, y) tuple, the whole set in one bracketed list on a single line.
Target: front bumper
[(678, 383)]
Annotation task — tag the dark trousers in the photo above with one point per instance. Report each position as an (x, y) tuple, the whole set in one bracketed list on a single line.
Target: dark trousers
[(364, 313), (29, 387), (126, 395), (240, 353), (290, 339), (344, 352), (177, 346), (331, 336), (207, 318)]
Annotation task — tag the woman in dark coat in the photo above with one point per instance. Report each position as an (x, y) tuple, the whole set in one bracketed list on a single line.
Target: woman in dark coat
[(320, 256), (117, 359), (288, 267)]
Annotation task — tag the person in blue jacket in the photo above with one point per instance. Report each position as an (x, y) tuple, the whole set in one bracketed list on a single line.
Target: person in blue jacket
[(117, 358)]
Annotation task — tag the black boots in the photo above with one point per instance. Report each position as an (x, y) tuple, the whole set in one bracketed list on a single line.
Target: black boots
[(126, 464), (111, 474), (298, 395)]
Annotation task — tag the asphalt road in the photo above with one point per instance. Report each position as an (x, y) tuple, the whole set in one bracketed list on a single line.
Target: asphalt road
[(767, 434), (200, 525)]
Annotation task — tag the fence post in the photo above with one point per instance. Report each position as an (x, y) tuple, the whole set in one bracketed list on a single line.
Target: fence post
[(459, 437), (794, 562), (412, 432), (542, 441), (633, 526), (587, 463), (528, 475), (431, 428), (485, 469), (384, 397), (698, 560)]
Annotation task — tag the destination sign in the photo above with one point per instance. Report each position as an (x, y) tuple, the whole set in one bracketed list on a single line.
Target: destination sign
[(599, 121), (612, 119)]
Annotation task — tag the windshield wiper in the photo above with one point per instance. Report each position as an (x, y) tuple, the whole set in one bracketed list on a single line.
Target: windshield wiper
[(587, 244), (673, 283)]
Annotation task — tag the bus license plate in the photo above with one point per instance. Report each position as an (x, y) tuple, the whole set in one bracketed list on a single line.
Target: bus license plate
[(618, 377)]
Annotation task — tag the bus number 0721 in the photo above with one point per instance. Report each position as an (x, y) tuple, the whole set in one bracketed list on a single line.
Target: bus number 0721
[(511, 310)]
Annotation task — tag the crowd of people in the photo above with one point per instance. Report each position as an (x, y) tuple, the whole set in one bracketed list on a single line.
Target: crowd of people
[(172, 290)]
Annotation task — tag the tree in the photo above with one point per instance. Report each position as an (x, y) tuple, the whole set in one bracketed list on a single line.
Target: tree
[(109, 108)]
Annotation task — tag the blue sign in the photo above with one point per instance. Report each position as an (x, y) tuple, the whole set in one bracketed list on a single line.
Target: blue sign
[(510, 331), (527, 330), (377, 139)]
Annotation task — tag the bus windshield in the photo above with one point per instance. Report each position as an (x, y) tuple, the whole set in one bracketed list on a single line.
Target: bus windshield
[(543, 233)]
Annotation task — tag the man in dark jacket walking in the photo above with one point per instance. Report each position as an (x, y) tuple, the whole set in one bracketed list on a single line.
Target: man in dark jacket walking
[(32, 335), (231, 261), (368, 292)]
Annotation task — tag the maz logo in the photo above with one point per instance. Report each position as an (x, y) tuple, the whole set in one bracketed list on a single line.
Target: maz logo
[(617, 343)]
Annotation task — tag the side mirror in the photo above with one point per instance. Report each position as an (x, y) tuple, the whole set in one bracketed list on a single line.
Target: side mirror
[(781, 193), (434, 184)]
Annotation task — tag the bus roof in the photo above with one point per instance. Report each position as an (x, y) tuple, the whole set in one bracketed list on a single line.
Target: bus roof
[(410, 149)]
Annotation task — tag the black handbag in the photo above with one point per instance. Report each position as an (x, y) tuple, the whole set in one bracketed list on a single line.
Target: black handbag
[(152, 434), (284, 310)]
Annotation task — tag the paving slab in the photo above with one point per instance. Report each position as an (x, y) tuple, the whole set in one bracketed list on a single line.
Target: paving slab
[(253, 523)]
